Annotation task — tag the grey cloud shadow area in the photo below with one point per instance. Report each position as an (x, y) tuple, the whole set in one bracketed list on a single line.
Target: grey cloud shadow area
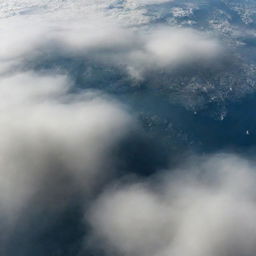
[(43, 234), (45, 227)]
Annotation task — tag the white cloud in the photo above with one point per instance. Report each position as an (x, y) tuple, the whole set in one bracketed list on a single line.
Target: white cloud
[(207, 209), (53, 143), (136, 3), (92, 32), (169, 48)]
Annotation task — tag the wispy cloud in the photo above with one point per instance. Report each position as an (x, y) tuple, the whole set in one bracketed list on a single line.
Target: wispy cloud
[(103, 38)]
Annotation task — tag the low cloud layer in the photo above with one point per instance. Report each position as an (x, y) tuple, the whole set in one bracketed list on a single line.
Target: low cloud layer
[(207, 208), (102, 39), (54, 143), (68, 150)]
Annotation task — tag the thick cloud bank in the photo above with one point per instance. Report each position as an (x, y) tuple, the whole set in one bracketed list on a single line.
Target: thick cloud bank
[(53, 143), (207, 208)]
